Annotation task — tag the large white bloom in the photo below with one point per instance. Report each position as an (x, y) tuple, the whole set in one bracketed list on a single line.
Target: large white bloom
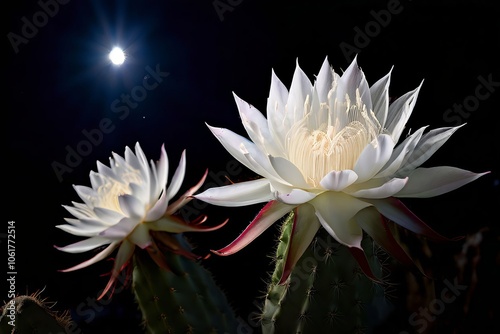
[(328, 151), (128, 205)]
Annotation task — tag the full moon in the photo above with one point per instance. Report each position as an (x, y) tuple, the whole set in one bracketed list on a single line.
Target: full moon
[(117, 56)]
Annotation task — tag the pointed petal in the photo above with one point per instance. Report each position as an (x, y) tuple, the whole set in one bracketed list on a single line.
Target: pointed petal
[(400, 154), (373, 223), (238, 194), (335, 211), (300, 88), (387, 189), (324, 81), (84, 245), (396, 211), (353, 79), (379, 92), (175, 225), (288, 172), (107, 216), (278, 95), (399, 113), (338, 180), (305, 226), (176, 182), (140, 236), (256, 126), (86, 194), (159, 208), (359, 255), (122, 257), (120, 230), (187, 196), (434, 181), (80, 229), (162, 168), (100, 256), (426, 147), (232, 143), (132, 206), (373, 157), (271, 212), (297, 196)]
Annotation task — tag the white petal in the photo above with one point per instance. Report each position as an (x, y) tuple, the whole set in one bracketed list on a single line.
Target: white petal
[(158, 209), (399, 112), (434, 181), (400, 154), (380, 98), (426, 147), (238, 194), (80, 213), (140, 236), (85, 245), (105, 170), (160, 172), (338, 180), (178, 177), (300, 88), (81, 230), (335, 211), (120, 230), (324, 81), (100, 256), (260, 162), (278, 95), (108, 217), (297, 196), (288, 172), (132, 206), (373, 158), (232, 143), (353, 79), (385, 190), (256, 126), (86, 194)]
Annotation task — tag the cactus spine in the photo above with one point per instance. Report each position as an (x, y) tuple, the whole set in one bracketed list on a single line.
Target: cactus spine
[(184, 300), (325, 293), (29, 314)]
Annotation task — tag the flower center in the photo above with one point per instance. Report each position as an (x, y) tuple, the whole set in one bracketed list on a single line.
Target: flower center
[(111, 189), (317, 149)]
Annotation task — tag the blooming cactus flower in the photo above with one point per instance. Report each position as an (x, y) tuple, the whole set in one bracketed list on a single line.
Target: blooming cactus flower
[(328, 151), (128, 206)]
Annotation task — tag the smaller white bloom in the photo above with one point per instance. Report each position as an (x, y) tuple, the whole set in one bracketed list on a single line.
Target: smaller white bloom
[(126, 206)]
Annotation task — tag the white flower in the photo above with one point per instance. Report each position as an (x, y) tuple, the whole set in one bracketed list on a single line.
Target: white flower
[(328, 151), (128, 206)]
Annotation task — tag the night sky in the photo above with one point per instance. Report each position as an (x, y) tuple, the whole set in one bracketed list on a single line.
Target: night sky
[(68, 107)]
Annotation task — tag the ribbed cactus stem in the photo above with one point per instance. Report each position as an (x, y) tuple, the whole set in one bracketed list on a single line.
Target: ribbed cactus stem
[(183, 300), (325, 293), (28, 314)]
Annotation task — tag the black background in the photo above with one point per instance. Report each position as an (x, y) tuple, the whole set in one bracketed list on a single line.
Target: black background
[(59, 83)]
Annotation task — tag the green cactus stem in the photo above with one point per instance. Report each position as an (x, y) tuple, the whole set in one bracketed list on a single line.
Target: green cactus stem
[(183, 300), (30, 314), (326, 292)]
